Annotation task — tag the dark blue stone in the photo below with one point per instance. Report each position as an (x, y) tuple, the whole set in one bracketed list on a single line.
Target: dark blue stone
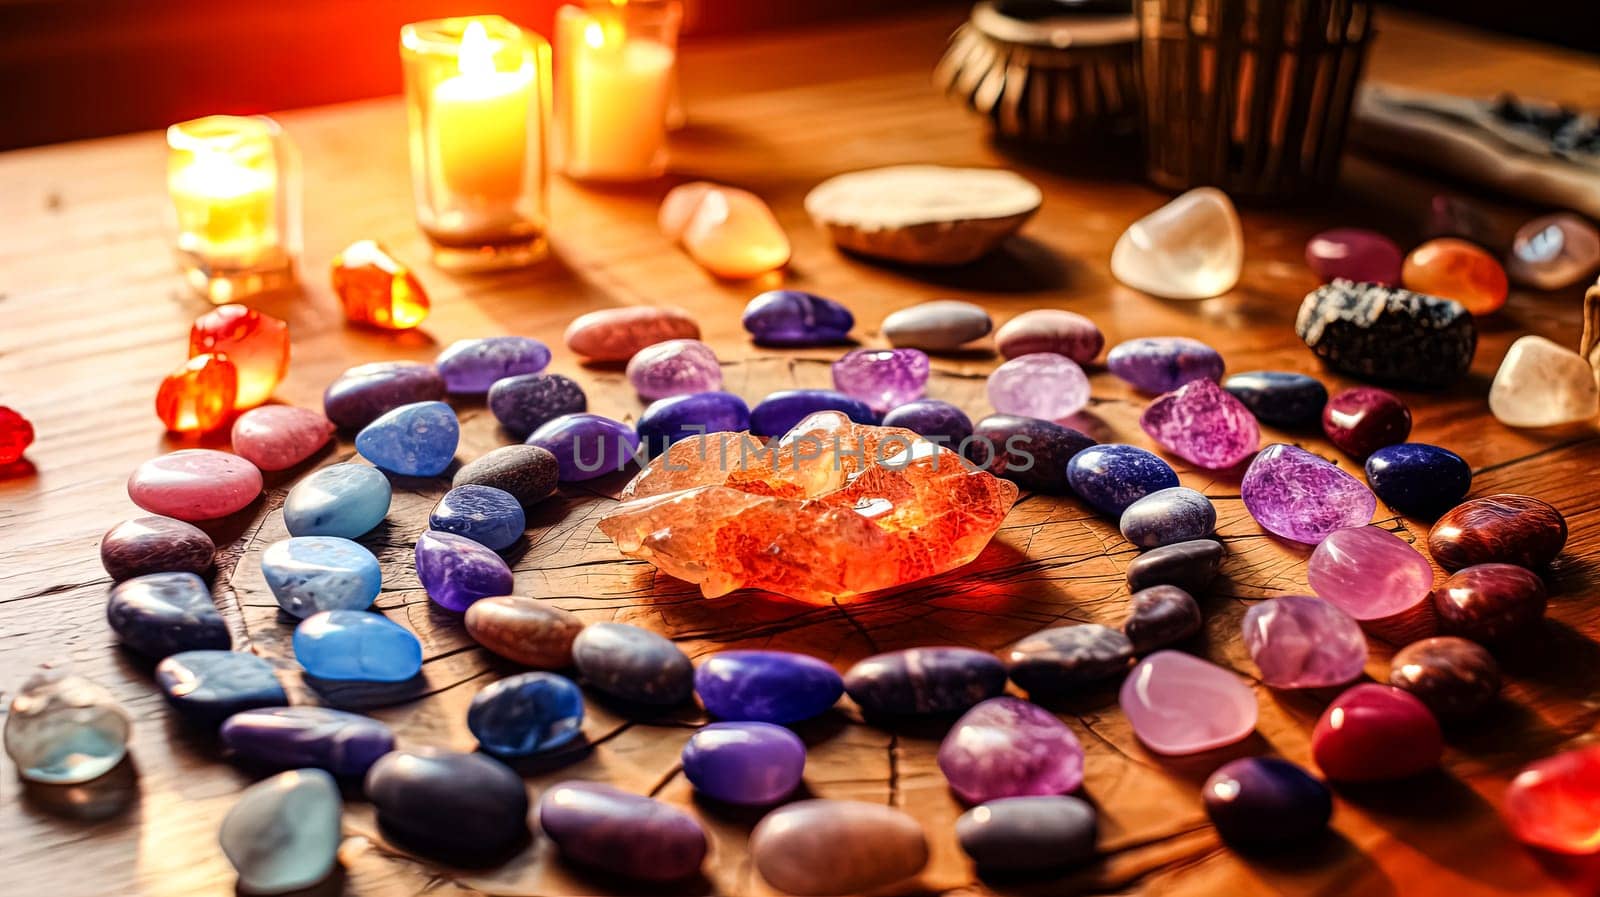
[(678, 417), (1280, 397), (780, 411), (925, 680), (210, 686), (163, 613), (932, 419), (794, 318), (633, 664), (1111, 477), (1166, 516), (526, 402), (752, 764), (766, 686), (356, 646), (345, 744), (440, 801), (486, 515), (1419, 479), (1030, 452), (526, 714), (1264, 802)]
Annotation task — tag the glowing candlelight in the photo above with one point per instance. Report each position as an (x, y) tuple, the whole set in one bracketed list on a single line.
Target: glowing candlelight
[(618, 63)]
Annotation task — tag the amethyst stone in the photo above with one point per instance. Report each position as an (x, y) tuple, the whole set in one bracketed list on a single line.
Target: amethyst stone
[(456, 571), (1042, 385), (1030, 452), (777, 414), (444, 802), (1111, 477), (674, 368), (1203, 425), (932, 419), (155, 545), (586, 445), (679, 417), (766, 686), (366, 392), (610, 830), (1159, 617), (164, 613), (633, 664), (471, 366), (1279, 397), (345, 744), (918, 681), (1301, 497), (526, 402), (1265, 802), (1006, 747), (1067, 658), (1159, 364), (210, 686), (793, 318), (1178, 514), (1302, 642), (883, 378), (751, 764)]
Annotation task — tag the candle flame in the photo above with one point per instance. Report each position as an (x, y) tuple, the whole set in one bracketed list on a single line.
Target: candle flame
[(476, 56), (594, 34)]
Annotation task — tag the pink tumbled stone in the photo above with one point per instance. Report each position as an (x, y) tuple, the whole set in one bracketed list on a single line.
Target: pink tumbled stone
[(1369, 573), (1180, 704), (673, 368), (277, 437), (1008, 747), (1302, 642), (1050, 330), (1043, 385), (195, 484), (1354, 253), (1202, 424)]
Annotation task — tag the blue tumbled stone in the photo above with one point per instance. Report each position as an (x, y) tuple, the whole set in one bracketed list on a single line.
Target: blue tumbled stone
[(210, 686), (525, 714), (526, 402), (417, 440), (795, 318), (678, 417), (308, 574), (1419, 479), (780, 411), (586, 445), (747, 763), (932, 419), (356, 645), (1279, 397), (1113, 476), (1178, 514), (1265, 802), (473, 365), (486, 515), (163, 613), (345, 744), (633, 664), (347, 500), (766, 686)]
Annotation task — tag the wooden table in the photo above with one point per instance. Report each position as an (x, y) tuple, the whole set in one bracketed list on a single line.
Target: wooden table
[(92, 314)]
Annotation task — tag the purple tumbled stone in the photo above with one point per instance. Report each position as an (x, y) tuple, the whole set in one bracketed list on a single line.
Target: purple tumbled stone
[(366, 392), (1203, 425), (1354, 253), (795, 318), (1007, 747), (1369, 573), (674, 368), (456, 571), (586, 445), (625, 834), (748, 763), (883, 378), (932, 419), (345, 744), (1042, 385), (1301, 497), (1158, 364), (1302, 642), (473, 365)]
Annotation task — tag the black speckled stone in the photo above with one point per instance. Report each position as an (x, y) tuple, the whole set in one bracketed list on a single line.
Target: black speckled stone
[(526, 402), (1030, 452), (1387, 334), (528, 472)]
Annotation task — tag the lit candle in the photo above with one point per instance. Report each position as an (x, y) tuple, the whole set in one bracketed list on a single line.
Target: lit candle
[(480, 122), (619, 65), (224, 208)]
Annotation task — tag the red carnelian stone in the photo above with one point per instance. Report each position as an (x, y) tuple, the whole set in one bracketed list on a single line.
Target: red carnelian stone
[(1554, 803), (16, 434), (1375, 732), (257, 344), (199, 396)]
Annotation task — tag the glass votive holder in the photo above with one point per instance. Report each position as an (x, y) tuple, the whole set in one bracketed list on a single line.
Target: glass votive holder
[(478, 102), (235, 188), (616, 83)]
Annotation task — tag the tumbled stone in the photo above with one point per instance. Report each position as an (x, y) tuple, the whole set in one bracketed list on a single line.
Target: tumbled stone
[(1301, 497), (1542, 384), (441, 801), (1028, 834), (937, 326), (16, 434), (766, 686), (1203, 425), (195, 484), (365, 392), (471, 366), (277, 437), (525, 714), (155, 545), (1362, 420), (615, 334), (918, 681), (634, 664), (1302, 642), (1042, 385), (1030, 452), (1161, 364), (1553, 252), (484, 514), (727, 231), (932, 419), (1190, 248), (64, 729), (1418, 479), (1375, 733), (630, 835), (1490, 603), (674, 368), (344, 744), (199, 395), (356, 646), (815, 848), (586, 445), (283, 834), (1178, 514), (1551, 803), (1160, 616), (257, 344), (1354, 253), (528, 472), (1065, 659), (1190, 566), (530, 632), (1111, 477), (1265, 803), (347, 500), (795, 318), (676, 418), (1455, 269), (780, 411), (1179, 704), (210, 686), (377, 289), (1388, 334), (883, 378), (1006, 747), (1283, 398), (457, 571), (526, 402), (1504, 528), (750, 764), (308, 574), (416, 440), (1454, 677), (158, 614), (1051, 330), (1369, 573)]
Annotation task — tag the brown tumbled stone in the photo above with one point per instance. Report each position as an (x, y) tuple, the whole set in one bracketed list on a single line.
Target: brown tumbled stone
[(1160, 616), (528, 472), (1190, 566), (1504, 529), (1454, 677), (615, 334), (155, 545), (527, 631), (1490, 602), (818, 847)]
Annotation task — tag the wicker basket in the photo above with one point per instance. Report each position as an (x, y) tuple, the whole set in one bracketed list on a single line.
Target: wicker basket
[(1252, 96)]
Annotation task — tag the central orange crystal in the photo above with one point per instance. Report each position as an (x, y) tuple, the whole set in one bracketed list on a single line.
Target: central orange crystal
[(830, 512)]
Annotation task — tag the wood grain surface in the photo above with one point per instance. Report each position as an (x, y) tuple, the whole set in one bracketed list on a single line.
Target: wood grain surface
[(92, 314)]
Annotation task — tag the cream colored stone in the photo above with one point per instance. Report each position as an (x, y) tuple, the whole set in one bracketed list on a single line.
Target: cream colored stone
[(1541, 384), (1190, 248)]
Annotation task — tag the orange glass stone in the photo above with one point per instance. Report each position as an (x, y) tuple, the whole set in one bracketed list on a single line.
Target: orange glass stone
[(728, 231), (257, 344), (376, 289), (1554, 803), (1456, 269), (829, 513), (199, 396)]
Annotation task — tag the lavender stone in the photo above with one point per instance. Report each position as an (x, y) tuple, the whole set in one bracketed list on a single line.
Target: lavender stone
[(624, 834), (527, 402), (1042, 385), (1165, 516), (365, 392), (471, 366), (883, 378), (345, 744), (674, 368), (932, 419), (1161, 364), (443, 802), (1111, 477), (586, 445), (1030, 452), (679, 417), (1066, 658), (793, 318), (1006, 747), (752, 764), (456, 571), (1301, 497), (766, 686), (164, 613), (1302, 642), (918, 681), (484, 514), (1160, 616), (155, 545), (780, 411), (1203, 425)]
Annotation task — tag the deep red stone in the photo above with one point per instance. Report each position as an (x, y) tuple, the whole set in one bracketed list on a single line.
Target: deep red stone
[(1490, 602), (1505, 528), (1554, 803), (1362, 420), (1376, 732), (16, 434), (1354, 253)]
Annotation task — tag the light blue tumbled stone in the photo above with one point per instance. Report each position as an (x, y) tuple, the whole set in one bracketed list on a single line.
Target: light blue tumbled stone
[(416, 440), (346, 500), (308, 574), (353, 644), (283, 834), (486, 515)]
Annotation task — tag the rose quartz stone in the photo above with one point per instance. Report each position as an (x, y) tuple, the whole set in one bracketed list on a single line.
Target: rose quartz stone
[(1180, 704), (195, 484), (277, 437), (1369, 573)]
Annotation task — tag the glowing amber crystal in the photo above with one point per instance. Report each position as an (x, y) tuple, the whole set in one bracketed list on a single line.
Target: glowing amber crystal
[(256, 344), (728, 231), (376, 289), (831, 511), (199, 396)]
